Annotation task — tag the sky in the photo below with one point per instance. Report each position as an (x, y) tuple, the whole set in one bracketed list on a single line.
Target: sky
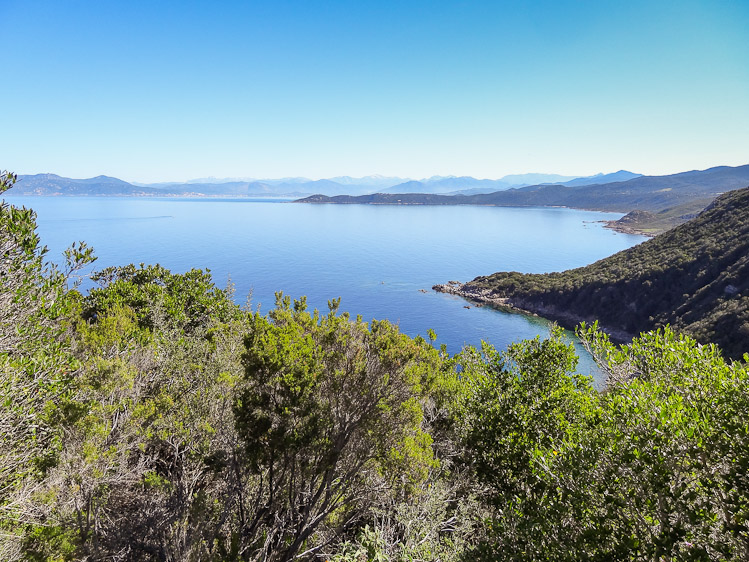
[(152, 91)]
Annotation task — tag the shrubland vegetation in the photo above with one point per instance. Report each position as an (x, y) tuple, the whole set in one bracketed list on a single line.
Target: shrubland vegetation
[(652, 223), (154, 419), (694, 277)]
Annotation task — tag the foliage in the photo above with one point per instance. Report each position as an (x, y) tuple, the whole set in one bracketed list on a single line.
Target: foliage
[(522, 408), (154, 419), (441, 521), (653, 468), (694, 277), (35, 365), (187, 301), (165, 442), (331, 415), (137, 476)]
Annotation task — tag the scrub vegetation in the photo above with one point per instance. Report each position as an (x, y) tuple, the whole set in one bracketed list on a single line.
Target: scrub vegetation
[(694, 277), (155, 419)]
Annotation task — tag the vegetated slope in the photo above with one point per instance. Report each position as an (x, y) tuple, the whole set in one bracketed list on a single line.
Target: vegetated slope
[(652, 223), (647, 193), (694, 277)]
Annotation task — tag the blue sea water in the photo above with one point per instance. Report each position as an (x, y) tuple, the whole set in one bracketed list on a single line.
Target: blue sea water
[(378, 259)]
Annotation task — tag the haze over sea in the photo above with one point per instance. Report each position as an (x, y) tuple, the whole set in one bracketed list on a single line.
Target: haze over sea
[(378, 259)]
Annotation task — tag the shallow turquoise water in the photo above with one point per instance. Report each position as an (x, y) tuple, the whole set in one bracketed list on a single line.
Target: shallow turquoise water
[(379, 259)]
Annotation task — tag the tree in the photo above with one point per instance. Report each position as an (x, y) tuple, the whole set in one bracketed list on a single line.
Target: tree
[(520, 408), (331, 416), (652, 468), (140, 473), (35, 361)]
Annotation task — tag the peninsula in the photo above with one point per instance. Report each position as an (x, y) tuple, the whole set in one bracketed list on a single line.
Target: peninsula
[(694, 277)]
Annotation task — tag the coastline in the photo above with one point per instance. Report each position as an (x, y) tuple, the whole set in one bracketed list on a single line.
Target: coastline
[(565, 318), (616, 226)]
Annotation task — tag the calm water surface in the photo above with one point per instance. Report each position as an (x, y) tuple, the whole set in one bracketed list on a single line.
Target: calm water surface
[(379, 259)]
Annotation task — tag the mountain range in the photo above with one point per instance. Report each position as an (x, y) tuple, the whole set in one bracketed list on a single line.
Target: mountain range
[(51, 184), (466, 185), (647, 193)]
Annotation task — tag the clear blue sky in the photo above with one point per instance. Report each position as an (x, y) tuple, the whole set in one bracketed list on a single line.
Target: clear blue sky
[(158, 91)]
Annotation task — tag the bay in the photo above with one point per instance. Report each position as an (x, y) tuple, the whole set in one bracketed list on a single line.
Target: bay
[(381, 260)]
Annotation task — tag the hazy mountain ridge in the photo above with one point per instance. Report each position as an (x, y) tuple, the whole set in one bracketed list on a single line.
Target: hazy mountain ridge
[(467, 185), (448, 185), (621, 175), (648, 193), (51, 184), (694, 277)]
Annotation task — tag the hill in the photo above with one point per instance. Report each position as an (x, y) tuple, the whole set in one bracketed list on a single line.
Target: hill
[(694, 277), (51, 184), (647, 193), (650, 224), (445, 185), (621, 175), (467, 185)]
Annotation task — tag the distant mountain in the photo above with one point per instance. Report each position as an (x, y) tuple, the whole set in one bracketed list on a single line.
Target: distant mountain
[(51, 184), (466, 185), (375, 182), (535, 179), (291, 186), (386, 199), (277, 181), (694, 277), (286, 187), (216, 181), (651, 193), (600, 179), (444, 185), (648, 193), (226, 189), (328, 187)]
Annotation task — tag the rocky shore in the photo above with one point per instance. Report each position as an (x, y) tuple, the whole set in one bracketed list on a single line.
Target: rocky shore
[(525, 306), (475, 294), (617, 226)]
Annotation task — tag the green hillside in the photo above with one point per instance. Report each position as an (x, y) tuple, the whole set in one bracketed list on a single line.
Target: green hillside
[(650, 224), (694, 277)]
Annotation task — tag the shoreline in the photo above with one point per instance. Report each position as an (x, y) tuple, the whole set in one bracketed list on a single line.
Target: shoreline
[(617, 227), (507, 304)]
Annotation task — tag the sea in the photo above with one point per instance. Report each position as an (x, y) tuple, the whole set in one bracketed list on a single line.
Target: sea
[(382, 261)]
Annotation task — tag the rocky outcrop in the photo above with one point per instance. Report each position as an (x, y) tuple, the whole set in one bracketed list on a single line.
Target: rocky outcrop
[(532, 307)]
